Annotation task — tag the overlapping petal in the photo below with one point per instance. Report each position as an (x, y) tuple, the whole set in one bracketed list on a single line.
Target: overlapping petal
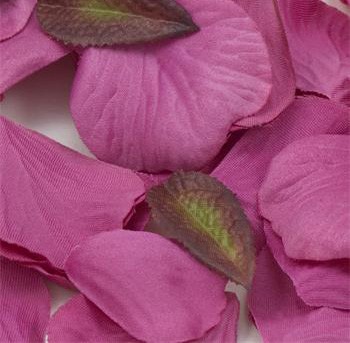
[(318, 37), (170, 106), (14, 16), (148, 285), (244, 168), (27, 52), (51, 198), (282, 317), (24, 304), (266, 15)]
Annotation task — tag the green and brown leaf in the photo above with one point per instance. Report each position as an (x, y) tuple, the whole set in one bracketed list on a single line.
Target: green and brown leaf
[(198, 211), (111, 22)]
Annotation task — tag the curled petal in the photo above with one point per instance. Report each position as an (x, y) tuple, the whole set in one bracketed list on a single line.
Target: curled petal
[(282, 317), (24, 304), (170, 106), (146, 284), (14, 16), (51, 198)]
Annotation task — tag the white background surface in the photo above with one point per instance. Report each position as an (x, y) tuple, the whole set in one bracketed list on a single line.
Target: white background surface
[(41, 103)]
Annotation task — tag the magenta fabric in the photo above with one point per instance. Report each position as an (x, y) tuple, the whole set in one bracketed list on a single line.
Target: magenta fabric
[(24, 304), (282, 317), (318, 283), (318, 37), (171, 105), (27, 52), (52, 198), (136, 279), (266, 15), (306, 197), (244, 168), (14, 16)]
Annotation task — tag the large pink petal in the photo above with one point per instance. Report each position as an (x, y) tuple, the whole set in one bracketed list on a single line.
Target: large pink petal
[(27, 52), (324, 283), (148, 285), (24, 304), (306, 197), (170, 106), (318, 37), (282, 317), (14, 16), (244, 168), (51, 198), (265, 14)]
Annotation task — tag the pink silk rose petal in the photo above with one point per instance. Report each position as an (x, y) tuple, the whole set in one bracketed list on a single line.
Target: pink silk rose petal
[(318, 37), (318, 283), (282, 317), (24, 304), (306, 197), (27, 52), (14, 15), (170, 106), (148, 285), (265, 13), (244, 168), (51, 198)]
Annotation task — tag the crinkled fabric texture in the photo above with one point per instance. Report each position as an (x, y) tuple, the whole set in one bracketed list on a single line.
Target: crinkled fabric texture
[(24, 304), (27, 52), (81, 321), (136, 279), (14, 16), (265, 14), (318, 37), (170, 106), (306, 197), (51, 198), (318, 283), (282, 317), (244, 168)]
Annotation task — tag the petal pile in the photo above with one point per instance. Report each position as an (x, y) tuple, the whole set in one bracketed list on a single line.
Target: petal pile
[(24, 304), (318, 37), (136, 278), (171, 105), (14, 16), (52, 197)]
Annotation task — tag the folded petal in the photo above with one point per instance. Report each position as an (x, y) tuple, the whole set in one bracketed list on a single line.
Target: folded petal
[(14, 16), (24, 304), (51, 198), (318, 37), (148, 285), (265, 14), (27, 52), (244, 168), (318, 283), (306, 197), (282, 317), (170, 106)]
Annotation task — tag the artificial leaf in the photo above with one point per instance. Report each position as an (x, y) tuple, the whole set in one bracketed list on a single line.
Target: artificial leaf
[(101, 22), (202, 214)]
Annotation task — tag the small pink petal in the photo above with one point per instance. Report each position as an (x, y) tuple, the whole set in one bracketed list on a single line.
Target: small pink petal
[(318, 37), (265, 14), (170, 106), (148, 285), (244, 168), (51, 198), (80, 321), (27, 52), (14, 16), (282, 317), (24, 304), (324, 283)]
